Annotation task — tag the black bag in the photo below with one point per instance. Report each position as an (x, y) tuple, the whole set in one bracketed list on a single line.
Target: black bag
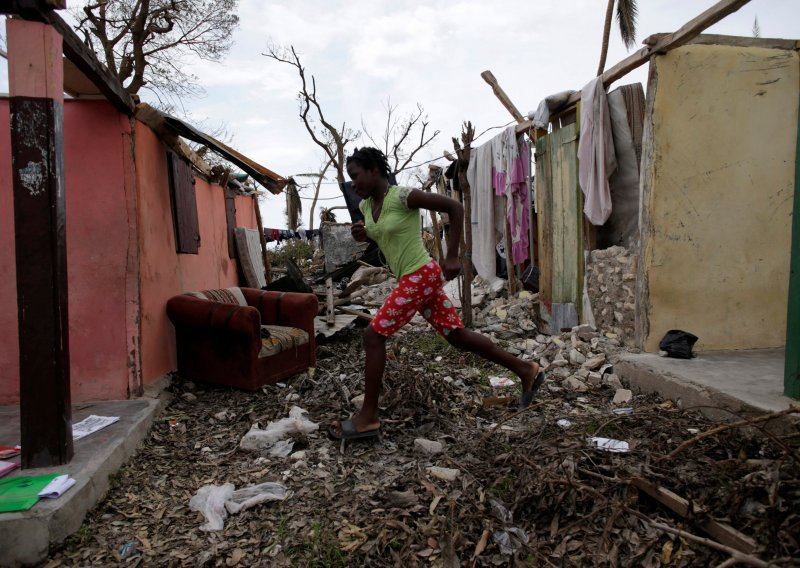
[(678, 344)]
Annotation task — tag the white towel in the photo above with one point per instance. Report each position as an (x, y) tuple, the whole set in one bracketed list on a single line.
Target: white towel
[(596, 152)]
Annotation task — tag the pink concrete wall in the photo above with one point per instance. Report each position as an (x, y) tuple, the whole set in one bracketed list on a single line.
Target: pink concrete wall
[(9, 347), (96, 148), (121, 268), (164, 273)]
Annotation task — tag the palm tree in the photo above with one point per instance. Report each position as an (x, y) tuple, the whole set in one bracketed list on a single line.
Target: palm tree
[(626, 17)]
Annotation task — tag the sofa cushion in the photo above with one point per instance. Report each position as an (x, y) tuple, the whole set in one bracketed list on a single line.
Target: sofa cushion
[(223, 295), (281, 338)]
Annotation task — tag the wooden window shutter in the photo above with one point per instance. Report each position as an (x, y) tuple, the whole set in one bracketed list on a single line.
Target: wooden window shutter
[(230, 220), (184, 205)]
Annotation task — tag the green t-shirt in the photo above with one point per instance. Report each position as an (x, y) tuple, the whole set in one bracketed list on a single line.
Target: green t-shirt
[(397, 232)]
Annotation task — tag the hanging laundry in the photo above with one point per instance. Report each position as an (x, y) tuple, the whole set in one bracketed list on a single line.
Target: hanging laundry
[(486, 211), (511, 167), (596, 157)]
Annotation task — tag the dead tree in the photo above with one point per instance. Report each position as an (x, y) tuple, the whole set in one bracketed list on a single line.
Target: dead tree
[(332, 140), (467, 135), (144, 42), (433, 173), (399, 140)]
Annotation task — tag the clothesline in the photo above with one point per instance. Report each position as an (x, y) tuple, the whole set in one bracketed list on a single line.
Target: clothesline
[(278, 235)]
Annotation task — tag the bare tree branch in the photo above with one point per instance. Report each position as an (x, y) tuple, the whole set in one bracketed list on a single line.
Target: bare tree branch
[(144, 42)]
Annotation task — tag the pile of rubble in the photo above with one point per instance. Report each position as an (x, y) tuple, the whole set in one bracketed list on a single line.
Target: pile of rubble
[(588, 475), (611, 285)]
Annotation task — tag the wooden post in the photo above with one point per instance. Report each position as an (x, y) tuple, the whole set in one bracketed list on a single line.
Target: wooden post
[(37, 156), (791, 375), (467, 134), (329, 296), (263, 240), (511, 273)]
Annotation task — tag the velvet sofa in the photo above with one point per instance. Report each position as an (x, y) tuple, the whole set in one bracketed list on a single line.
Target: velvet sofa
[(243, 337)]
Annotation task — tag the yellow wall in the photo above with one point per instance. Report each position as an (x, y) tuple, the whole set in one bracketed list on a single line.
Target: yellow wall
[(717, 195)]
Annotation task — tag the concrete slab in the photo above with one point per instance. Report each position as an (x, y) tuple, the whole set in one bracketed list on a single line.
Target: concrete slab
[(25, 536), (722, 383)]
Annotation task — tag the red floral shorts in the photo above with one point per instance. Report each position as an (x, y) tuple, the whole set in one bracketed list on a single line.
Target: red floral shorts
[(420, 291)]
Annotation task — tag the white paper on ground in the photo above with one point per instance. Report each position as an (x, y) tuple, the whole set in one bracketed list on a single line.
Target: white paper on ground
[(57, 487), (498, 382), (609, 445), (91, 424)]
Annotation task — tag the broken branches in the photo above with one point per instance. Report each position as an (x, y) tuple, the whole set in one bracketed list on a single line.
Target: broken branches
[(714, 431)]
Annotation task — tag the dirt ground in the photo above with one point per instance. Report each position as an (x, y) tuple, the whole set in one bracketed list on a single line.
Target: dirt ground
[(527, 488)]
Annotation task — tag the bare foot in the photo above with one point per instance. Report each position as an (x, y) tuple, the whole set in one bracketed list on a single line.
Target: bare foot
[(362, 424), (529, 376)]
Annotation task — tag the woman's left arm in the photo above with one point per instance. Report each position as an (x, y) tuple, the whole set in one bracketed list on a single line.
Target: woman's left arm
[(455, 211)]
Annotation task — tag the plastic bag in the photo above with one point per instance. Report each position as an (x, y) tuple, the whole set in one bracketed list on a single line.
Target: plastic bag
[(216, 501), (678, 344), (210, 500), (296, 422)]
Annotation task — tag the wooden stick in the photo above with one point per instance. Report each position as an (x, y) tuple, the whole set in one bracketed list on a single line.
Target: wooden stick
[(348, 311), (749, 422), (329, 296), (263, 240), (720, 531), (740, 556), (512, 275), (467, 135), (501, 94)]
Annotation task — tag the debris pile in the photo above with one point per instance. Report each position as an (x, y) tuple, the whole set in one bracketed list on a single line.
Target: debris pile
[(590, 474), (611, 285)]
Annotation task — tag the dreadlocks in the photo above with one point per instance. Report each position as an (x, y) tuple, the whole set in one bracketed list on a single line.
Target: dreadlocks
[(370, 158)]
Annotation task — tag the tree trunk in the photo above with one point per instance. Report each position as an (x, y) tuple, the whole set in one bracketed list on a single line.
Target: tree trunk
[(606, 35)]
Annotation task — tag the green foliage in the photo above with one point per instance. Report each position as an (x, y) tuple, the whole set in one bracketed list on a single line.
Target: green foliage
[(298, 250)]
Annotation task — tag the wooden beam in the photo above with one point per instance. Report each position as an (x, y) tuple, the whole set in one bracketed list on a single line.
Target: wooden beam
[(154, 119), (501, 94), (723, 533), (269, 179), (659, 44), (40, 217)]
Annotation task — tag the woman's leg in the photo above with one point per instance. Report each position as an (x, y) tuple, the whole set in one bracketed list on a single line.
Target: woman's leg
[(375, 354), (481, 345)]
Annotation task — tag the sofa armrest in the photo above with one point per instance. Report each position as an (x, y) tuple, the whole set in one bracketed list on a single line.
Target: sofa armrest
[(284, 308), (197, 313)]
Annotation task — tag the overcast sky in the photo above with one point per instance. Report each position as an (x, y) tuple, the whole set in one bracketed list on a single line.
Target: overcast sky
[(430, 52)]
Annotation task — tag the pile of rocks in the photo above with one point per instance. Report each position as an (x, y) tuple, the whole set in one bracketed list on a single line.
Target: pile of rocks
[(611, 285)]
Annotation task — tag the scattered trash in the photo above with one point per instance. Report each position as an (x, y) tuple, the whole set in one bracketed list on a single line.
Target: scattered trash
[(430, 447), (216, 501), (623, 411), (296, 422), (693, 430), (498, 382), (501, 511), (443, 473), (282, 448), (564, 423), (622, 396), (609, 445), (10, 451), (57, 487), (7, 467), (91, 424), (129, 549), (510, 540), (678, 344)]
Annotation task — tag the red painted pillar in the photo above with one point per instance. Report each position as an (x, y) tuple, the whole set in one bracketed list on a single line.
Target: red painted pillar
[(36, 82)]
